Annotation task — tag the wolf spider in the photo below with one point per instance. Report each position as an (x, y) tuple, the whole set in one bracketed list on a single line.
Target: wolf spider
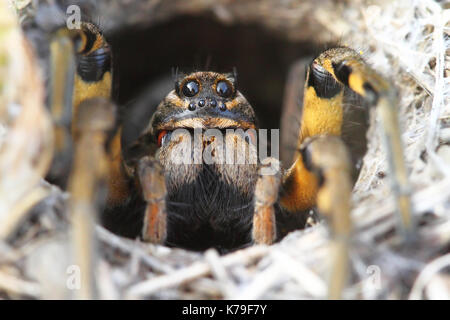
[(198, 205)]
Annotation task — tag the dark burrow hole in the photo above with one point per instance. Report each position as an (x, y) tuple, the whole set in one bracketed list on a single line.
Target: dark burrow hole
[(262, 59)]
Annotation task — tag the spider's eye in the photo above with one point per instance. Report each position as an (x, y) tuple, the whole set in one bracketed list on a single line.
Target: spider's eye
[(190, 88), (223, 89)]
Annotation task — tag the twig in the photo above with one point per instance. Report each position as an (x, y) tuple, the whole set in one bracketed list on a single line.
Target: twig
[(15, 285), (129, 247), (192, 272), (262, 282), (426, 274), (106, 288), (305, 277), (219, 271), (20, 210)]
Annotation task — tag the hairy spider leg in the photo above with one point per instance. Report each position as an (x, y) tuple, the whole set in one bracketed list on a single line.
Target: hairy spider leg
[(266, 195), (327, 157), (87, 181), (93, 78), (152, 181), (325, 112), (62, 74), (85, 118)]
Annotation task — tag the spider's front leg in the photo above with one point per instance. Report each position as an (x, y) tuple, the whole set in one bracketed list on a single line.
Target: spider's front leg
[(327, 158), (81, 64), (322, 172), (93, 78), (84, 117), (331, 77), (153, 186), (266, 195), (87, 182), (351, 70)]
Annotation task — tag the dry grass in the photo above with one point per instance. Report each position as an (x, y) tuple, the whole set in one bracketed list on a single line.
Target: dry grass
[(407, 41)]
